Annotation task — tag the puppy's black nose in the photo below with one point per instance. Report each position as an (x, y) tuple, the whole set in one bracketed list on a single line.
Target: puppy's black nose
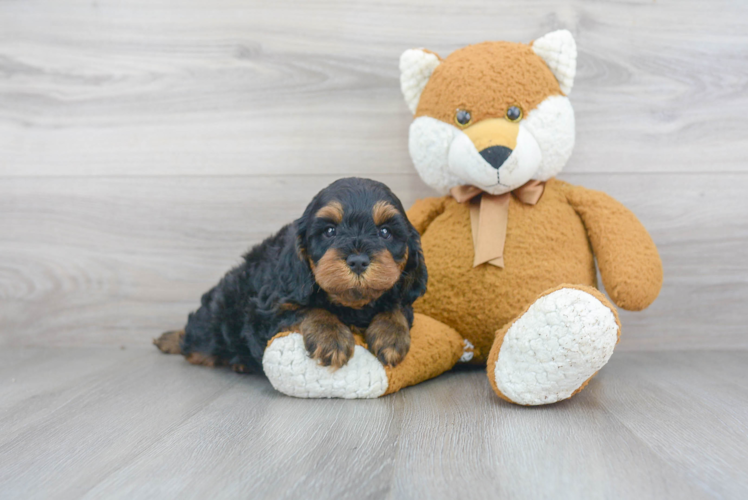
[(496, 155), (358, 262)]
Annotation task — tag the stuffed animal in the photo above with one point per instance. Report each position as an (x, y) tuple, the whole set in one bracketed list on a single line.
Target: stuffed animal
[(510, 250)]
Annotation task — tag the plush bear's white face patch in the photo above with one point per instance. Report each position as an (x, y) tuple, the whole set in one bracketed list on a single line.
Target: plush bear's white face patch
[(480, 124), (445, 156)]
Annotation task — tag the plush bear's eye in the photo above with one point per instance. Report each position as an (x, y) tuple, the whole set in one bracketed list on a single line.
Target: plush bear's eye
[(462, 117), (513, 114)]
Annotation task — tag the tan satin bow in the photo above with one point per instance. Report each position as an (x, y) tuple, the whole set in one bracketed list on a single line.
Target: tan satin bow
[(488, 219)]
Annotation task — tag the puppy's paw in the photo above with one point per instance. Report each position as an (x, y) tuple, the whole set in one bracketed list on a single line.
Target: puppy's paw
[(388, 337), (168, 342), (393, 354), (326, 339), (333, 352)]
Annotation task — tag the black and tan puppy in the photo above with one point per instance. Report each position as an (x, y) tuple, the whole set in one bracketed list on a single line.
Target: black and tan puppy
[(352, 262)]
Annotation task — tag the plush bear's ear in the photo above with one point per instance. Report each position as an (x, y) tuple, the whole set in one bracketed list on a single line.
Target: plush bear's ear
[(416, 66), (559, 51)]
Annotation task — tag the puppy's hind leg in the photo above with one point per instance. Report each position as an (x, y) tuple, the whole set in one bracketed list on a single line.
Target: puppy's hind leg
[(170, 342)]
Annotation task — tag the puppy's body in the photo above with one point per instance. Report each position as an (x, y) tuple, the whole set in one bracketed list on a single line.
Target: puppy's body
[(306, 279)]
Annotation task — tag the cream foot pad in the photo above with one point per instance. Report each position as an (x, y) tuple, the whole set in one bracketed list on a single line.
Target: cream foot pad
[(562, 340), (292, 372)]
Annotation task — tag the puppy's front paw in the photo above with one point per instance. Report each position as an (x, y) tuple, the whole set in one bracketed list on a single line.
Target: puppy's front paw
[(393, 354), (326, 339), (388, 337)]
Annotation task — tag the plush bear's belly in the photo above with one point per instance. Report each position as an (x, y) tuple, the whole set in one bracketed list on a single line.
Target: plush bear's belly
[(546, 245)]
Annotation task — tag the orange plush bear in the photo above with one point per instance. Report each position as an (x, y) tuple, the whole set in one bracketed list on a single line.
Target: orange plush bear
[(510, 250)]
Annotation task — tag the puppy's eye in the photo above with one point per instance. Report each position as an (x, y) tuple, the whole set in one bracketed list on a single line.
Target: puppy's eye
[(462, 117), (385, 233), (513, 114), (330, 232)]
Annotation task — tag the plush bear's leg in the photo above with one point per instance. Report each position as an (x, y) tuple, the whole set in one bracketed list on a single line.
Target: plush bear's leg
[(551, 350), (434, 349)]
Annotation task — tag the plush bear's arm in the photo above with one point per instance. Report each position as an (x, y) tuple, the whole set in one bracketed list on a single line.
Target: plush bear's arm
[(629, 263), (424, 211)]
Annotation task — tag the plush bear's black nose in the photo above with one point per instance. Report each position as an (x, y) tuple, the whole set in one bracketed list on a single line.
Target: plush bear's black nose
[(496, 155), (358, 262)]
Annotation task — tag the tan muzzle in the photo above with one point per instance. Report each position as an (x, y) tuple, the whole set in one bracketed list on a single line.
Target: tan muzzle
[(493, 132)]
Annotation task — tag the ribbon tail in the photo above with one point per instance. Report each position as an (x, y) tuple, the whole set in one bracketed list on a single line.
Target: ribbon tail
[(489, 218), (488, 223), (498, 262)]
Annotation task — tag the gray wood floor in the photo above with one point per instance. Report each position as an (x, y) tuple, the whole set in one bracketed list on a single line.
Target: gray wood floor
[(111, 423)]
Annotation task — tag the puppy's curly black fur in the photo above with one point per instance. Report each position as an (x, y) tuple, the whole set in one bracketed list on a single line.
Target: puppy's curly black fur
[(352, 262)]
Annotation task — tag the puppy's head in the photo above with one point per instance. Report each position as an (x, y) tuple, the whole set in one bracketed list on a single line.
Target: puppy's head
[(359, 243)]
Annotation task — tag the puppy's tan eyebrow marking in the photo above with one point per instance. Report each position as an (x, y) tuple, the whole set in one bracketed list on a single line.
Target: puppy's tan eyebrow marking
[(382, 212), (332, 211)]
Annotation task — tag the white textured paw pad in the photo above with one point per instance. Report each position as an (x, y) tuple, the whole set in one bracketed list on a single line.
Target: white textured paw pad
[(292, 372), (559, 343)]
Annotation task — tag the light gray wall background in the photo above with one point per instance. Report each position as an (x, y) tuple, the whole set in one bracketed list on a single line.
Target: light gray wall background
[(144, 145)]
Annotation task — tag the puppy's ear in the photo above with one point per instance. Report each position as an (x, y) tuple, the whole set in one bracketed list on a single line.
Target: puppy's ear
[(301, 225), (294, 271), (415, 276)]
